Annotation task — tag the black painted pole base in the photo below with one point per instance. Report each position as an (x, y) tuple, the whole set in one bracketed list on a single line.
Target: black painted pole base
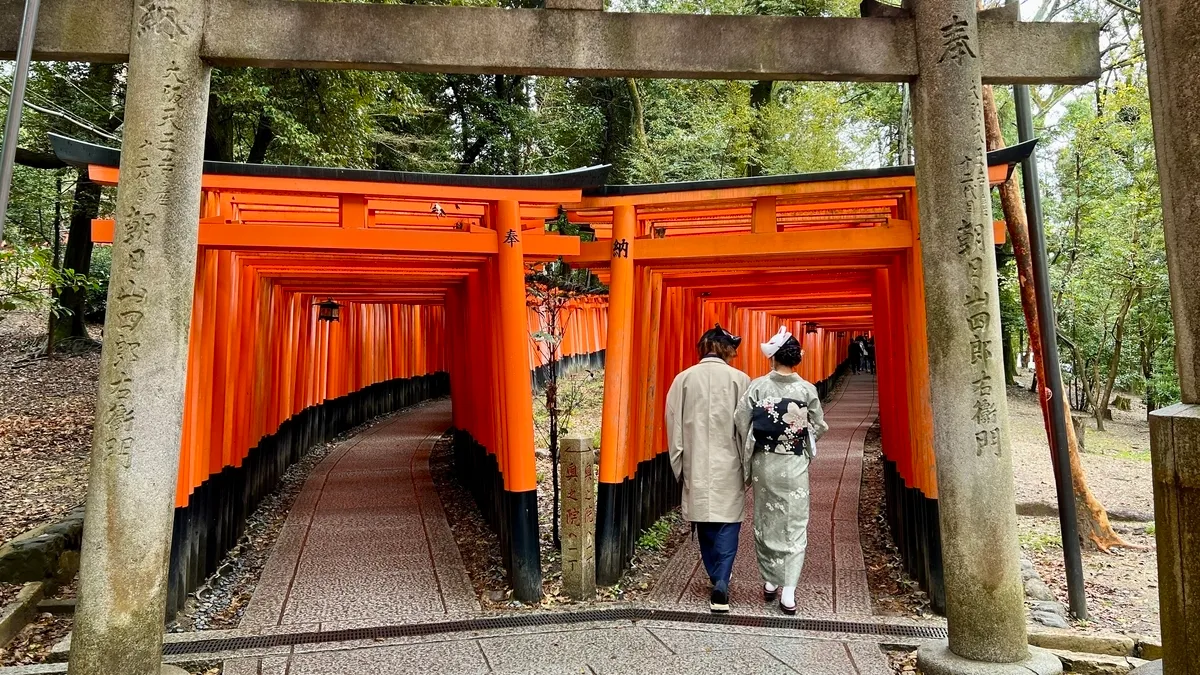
[(608, 539), (525, 568), (913, 520)]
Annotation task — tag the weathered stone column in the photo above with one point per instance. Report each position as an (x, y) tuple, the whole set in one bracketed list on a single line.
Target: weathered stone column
[(985, 606), (1172, 56), (1173, 61), (139, 412), (576, 466)]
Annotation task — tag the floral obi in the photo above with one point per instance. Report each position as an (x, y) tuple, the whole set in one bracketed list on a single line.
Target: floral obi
[(780, 426)]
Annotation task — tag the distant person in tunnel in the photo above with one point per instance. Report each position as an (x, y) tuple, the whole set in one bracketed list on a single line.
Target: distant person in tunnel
[(780, 419), (871, 355), (854, 355), (707, 454)]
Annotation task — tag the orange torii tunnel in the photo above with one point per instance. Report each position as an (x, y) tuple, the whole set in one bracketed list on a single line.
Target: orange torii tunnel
[(830, 256), (428, 275)]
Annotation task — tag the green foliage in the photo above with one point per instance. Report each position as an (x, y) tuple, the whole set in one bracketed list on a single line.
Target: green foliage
[(1107, 240), (1038, 541), (99, 273), (657, 536), (27, 275)]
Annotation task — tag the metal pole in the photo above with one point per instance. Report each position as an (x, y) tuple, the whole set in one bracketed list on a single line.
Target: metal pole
[(1072, 558), (12, 124)]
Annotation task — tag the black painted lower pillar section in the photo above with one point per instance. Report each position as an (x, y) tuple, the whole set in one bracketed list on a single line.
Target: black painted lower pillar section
[(913, 520), (624, 510), (215, 517), (513, 515)]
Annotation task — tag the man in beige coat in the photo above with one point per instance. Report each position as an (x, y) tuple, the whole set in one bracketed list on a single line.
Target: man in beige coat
[(708, 456)]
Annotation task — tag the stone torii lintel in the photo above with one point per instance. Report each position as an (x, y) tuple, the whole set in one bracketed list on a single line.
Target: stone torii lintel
[(565, 42)]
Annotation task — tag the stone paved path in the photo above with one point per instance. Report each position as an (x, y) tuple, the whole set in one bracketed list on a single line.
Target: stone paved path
[(834, 581), (612, 648), (367, 544), (367, 540)]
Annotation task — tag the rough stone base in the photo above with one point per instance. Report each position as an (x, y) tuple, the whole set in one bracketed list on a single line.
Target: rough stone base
[(935, 658), (1152, 668), (168, 669)]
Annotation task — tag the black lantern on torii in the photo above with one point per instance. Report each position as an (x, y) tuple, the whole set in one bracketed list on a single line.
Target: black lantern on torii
[(810, 327), (328, 310)]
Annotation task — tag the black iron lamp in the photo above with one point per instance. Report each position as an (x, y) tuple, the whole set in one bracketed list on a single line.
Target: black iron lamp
[(328, 310)]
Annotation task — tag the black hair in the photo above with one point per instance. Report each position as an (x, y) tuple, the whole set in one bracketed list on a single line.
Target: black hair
[(717, 341), (789, 354), (721, 348)]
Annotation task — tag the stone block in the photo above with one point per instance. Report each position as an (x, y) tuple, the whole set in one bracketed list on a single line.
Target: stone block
[(578, 527), (1148, 649), (1111, 645), (1093, 664), (31, 559), (16, 614), (935, 658)]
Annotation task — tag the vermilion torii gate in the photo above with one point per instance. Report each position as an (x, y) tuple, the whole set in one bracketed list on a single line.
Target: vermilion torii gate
[(433, 299), (830, 255), (942, 47)]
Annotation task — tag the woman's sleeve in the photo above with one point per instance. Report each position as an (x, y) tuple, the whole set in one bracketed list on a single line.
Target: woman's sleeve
[(741, 428), (816, 416)]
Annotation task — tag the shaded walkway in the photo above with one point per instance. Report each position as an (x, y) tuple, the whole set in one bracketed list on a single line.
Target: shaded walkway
[(367, 539), (834, 579)]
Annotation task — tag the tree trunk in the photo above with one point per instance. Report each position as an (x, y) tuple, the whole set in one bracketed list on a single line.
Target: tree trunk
[(760, 96), (57, 259), (1114, 363), (85, 207), (1010, 355), (263, 135), (1092, 516), (78, 257)]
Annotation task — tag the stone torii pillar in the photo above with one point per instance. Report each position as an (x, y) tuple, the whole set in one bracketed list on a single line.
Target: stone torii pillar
[(985, 608), (139, 411), (1172, 33)]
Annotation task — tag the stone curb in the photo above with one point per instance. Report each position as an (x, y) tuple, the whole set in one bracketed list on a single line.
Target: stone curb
[(21, 611), (1096, 664), (36, 554), (1109, 645)]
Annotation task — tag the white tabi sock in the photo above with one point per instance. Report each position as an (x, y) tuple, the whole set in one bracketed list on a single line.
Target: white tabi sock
[(789, 596), (769, 587)]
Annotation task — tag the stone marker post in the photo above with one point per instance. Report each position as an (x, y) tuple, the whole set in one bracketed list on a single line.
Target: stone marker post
[(985, 607), (1172, 30), (139, 411), (577, 479)]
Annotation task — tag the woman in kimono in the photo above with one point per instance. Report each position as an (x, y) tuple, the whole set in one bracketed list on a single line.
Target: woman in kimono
[(780, 417)]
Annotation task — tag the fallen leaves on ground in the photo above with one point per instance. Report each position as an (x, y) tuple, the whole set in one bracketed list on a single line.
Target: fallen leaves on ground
[(47, 406)]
